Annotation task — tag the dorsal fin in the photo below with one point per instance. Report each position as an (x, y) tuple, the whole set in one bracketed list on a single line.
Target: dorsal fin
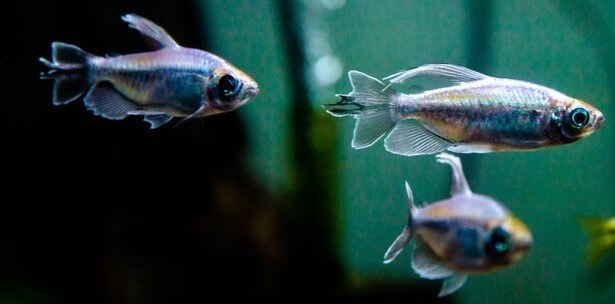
[(153, 33), (450, 74)]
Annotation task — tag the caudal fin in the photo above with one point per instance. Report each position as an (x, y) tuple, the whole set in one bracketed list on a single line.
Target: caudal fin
[(601, 237), (68, 69), (370, 104)]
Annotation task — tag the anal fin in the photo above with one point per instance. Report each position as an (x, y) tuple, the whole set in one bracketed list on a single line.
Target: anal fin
[(410, 137), (426, 264), (108, 103)]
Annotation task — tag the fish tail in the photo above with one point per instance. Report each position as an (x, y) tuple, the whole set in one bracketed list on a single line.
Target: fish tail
[(406, 235), (601, 237), (370, 103), (68, 69)]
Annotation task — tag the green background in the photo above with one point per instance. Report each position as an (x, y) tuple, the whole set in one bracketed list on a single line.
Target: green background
[(565, 45)]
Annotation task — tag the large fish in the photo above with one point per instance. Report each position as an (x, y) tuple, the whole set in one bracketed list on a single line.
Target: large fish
[(465, 234), (471, 113), (172, 81)]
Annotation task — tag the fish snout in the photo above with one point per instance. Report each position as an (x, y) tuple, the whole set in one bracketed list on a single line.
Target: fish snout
[(598, 120), (251, 91)]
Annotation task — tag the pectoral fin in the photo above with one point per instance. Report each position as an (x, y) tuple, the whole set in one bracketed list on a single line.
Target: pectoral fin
[(451, 284), (157, 120)]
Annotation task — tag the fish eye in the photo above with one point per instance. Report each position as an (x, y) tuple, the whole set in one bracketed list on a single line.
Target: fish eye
[(228, 87), (498, 243), (578, 118)]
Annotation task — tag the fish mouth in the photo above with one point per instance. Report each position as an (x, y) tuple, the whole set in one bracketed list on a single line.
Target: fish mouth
[(524, 244), (598, 120), (251, 91)]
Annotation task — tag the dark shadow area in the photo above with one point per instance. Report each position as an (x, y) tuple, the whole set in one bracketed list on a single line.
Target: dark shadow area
[(100, 211)]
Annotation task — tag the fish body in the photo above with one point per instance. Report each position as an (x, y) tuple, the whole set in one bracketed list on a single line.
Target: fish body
[(601, 232), (465, 234), (171, 81), (476, 113)]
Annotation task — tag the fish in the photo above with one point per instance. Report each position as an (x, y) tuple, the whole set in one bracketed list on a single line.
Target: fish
[(601, 233), (466, 112), (170, 81), (465, 234)]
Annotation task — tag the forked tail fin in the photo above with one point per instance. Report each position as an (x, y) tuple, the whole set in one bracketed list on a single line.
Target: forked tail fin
[(370, 103), (70, 63)]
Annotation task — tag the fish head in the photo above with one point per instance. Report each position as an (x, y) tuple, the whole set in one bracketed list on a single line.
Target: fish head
[(507, 242), (579, 119), (229, 88)]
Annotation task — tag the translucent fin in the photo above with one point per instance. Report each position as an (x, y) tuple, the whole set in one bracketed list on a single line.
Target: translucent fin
[(196, 113), (426, 264), (452, 283), (452, 74), (108, 103), (459, 184), (398, 245), (156, 36), (67, 69), (410, 138), (68, 87), (602, 237), (411, 204), (370, 103), (157, 120)]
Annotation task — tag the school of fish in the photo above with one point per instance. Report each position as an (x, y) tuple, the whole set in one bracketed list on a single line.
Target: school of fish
[(468, 112)]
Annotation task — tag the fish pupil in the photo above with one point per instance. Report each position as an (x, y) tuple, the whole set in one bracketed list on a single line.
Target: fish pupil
[(498, 243), (228, 86), (579, 117)]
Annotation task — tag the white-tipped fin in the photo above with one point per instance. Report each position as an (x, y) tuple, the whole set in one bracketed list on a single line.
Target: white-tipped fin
[(411, 204), (157, 120), (410, 137), (370, 103), (453, 74), (452, 283), (108, 103), (398, 245), (459, 184), (426, 264), (153, 33)]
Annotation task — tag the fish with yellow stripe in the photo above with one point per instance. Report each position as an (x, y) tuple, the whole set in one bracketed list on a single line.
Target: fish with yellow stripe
[(465, 234), (171, 81), (467, 112)]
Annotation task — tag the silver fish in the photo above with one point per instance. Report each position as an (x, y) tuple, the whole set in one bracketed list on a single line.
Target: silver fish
[(172, 81), (470, 113), (465, 234)]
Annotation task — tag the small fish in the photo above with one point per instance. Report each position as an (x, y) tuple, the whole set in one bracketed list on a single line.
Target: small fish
[(465, 234), (602, 237), (472, 113), (171, 81)]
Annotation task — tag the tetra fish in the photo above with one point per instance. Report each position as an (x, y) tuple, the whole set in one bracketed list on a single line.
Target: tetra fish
[(465, 234), (472, 113), (171, 81)]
